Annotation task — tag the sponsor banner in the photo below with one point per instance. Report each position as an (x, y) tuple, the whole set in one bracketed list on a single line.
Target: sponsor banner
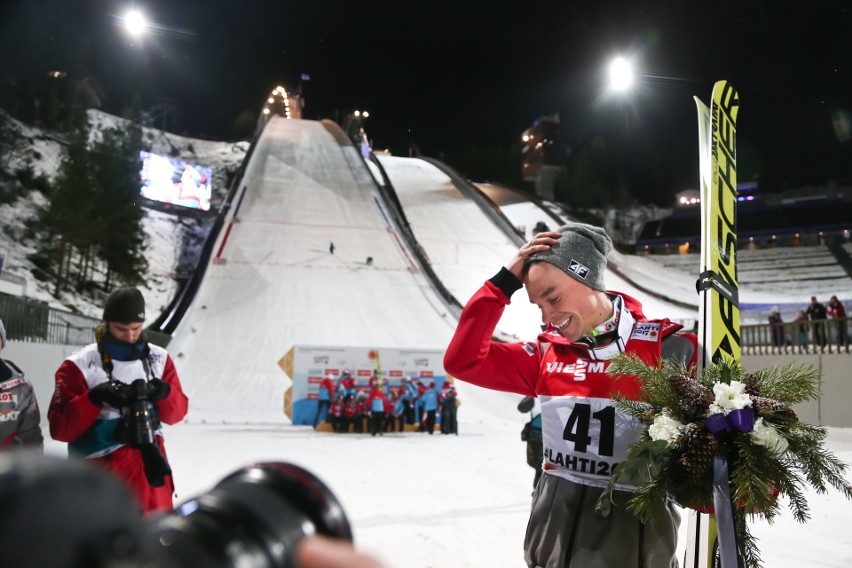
[(10, 384), (312, 363)]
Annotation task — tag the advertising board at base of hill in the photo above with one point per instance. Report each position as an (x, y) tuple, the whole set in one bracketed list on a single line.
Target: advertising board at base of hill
[(311, 363)]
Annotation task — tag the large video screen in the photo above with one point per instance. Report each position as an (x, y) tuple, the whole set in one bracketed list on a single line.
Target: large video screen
[(170, 180)]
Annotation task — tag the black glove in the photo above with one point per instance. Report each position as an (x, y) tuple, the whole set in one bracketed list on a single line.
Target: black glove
[(527, 404), (158, 389), (113, 393), (155, 465)]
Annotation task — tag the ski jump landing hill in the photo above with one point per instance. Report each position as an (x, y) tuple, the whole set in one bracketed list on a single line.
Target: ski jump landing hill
[(466, 244), (274, 283)]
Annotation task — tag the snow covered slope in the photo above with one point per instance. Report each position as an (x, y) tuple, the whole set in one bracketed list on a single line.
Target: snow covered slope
[(279, 285), (466, 248)]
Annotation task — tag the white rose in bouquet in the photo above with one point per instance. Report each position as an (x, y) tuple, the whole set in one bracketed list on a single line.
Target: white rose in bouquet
[(665, 428), (766, 435)]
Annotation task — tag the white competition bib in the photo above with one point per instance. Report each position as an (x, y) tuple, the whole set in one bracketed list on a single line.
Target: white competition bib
[(585, 438)]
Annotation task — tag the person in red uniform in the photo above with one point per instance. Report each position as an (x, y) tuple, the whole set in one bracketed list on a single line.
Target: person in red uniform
[(837, 311), (325, 395), (95, 389), (584, 437)]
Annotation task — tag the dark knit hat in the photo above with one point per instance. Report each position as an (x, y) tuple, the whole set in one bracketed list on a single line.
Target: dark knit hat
[(125, 305), (581, 254)]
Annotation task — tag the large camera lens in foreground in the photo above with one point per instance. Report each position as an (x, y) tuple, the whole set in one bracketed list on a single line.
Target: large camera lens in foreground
[(252, 518), (57, 513)]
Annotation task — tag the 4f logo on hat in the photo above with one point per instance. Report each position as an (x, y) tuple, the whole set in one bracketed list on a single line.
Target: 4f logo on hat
[(579, 269)]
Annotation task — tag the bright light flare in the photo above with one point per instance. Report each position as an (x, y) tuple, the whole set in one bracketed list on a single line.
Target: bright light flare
[(135, 23), (620, 74)]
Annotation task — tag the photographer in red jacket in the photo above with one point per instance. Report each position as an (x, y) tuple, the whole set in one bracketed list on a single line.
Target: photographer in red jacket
[(112, 396)]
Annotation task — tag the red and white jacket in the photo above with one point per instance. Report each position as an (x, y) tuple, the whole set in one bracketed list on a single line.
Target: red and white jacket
[(584, 436), (73, 418)]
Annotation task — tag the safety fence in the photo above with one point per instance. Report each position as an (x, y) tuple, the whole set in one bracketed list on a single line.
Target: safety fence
[(31, 320), (802, 337)]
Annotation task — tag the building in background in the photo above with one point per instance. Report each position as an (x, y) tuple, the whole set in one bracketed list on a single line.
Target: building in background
[(542, 155)]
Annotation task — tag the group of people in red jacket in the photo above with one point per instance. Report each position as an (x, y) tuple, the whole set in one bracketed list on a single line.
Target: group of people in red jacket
[(380, 407)]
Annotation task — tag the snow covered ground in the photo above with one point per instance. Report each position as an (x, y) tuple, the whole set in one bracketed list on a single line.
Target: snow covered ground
[(414, 500)]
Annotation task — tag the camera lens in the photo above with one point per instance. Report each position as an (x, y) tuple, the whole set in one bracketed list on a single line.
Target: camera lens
[(68, 514), (254, 517)]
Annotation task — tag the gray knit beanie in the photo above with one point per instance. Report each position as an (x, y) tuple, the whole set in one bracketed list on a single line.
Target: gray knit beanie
[(2, 336), (581, 254)]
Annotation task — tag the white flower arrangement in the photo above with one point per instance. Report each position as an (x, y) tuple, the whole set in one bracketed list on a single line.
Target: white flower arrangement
[(729, 397)]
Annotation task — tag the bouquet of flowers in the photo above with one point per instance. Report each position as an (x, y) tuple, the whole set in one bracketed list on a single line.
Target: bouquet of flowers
[(693, 418)]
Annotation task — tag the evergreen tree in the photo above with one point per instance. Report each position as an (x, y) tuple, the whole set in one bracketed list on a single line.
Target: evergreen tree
[(94, 215), (115, 178), (65, 220)]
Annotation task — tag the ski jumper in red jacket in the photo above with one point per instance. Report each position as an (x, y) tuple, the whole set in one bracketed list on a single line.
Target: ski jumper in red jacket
[(584, 436)]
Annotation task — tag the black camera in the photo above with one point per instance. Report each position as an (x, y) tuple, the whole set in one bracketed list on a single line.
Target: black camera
[(58, 513), (139, 421), (139, 424)]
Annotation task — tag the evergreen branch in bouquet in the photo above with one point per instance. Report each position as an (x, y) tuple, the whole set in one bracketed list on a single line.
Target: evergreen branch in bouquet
[(820, 467), (641, 467), (748, 544), (790, 384), (642, 411), (792, 487), (666, 385), (653, 378), (649, 500), (751, 469)]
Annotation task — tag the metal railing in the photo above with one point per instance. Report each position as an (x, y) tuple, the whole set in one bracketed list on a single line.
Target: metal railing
[(822, 336), (34, 321)]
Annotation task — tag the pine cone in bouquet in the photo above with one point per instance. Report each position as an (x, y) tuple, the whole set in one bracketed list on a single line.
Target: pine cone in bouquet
[(752, 384), (699, 450), (647, 416), (764, 406), (694, 397)]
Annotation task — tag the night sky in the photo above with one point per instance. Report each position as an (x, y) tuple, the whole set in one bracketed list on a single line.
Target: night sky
[(447, 75)]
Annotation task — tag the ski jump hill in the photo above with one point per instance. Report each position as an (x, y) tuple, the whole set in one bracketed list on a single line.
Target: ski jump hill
[(274, 282)]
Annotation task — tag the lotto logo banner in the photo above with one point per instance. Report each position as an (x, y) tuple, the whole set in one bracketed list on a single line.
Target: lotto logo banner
[(393, 363), (8, 397), (10, 384)]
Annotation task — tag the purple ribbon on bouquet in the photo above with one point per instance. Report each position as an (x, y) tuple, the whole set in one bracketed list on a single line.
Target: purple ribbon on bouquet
[(741, 420)]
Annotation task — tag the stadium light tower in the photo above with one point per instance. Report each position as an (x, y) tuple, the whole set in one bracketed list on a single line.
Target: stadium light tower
[(620, 74), (135, 23)]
